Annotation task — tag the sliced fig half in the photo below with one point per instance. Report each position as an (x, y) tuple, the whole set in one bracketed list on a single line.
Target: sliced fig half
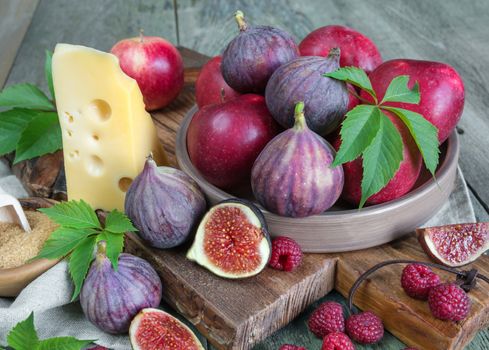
[(455, 245), (154, 329), (232, 240)]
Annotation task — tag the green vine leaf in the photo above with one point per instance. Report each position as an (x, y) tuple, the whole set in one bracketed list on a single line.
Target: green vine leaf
[(48, 72), (25, 96), (354, 76), (114, 246), (80, 260), (398, 91), (73, 214), (23, 336), (117, 222), (12, 124)]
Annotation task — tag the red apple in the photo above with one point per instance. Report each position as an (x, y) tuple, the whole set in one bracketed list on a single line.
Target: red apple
[(356, 49), (441, 88), (402, 182), (210, 86), (155, 64), (224, 140)]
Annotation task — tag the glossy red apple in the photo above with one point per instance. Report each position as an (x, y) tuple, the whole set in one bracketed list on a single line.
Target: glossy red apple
[(223, 140), (155, 64), (441, 88), (356, 49), (402, 182), (210, 86)]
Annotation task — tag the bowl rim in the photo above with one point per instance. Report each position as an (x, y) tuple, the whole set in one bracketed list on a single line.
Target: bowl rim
[(442, 173)]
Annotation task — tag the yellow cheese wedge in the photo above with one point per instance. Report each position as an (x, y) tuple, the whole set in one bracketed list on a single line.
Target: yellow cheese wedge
[(107, 133)]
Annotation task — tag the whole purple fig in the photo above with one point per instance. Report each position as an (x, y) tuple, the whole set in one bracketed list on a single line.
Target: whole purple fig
[(254, 54), (293, 176), (110, 299), (164, 204), (302, 79)]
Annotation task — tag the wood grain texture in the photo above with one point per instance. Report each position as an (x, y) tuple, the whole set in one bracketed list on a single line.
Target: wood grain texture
[(15, 17), (407, 318), (237, 314)]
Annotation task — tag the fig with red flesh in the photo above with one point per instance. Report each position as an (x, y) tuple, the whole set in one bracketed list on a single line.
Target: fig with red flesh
[(210, 87), (110, 299), (254, 54), (326, 99), (293, 176), (356, 49), (442, 91), (403, 180), (232, 240), (154, 329), (455, 245), (224, 140)]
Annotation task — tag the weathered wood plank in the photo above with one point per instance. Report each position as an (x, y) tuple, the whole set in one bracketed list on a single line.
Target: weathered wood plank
[(15, 19)]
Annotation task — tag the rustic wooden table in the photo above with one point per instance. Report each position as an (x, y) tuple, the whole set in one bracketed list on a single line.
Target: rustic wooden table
[(455, 32)]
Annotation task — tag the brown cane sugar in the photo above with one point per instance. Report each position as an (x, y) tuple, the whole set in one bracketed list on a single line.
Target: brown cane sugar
[(18, 246)]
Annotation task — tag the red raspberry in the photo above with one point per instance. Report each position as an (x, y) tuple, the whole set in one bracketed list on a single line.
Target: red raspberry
[(286, 254), (291, 347), (327, 318), (365, 327), (337, 341), (417, 280), (449, 302)]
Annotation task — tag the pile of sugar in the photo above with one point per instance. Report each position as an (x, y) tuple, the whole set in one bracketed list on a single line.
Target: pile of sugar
[(17, 246)]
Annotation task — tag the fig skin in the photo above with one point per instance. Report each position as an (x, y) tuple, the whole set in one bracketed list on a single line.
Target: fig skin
[(356, 49), (165, 332), (224, 140), (111, 299), (210, 87), (255, 217), (292, 176), (326, 99), (441, 88), (254, 54), (164, 204), (403, 180)]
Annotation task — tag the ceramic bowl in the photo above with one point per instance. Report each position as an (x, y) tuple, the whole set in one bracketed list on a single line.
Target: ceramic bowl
[(345, 229), (13, 280)]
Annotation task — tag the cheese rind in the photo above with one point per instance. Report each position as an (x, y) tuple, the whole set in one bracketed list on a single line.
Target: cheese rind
[(107, 133)]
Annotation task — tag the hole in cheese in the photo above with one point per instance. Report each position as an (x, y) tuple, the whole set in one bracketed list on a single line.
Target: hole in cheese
[(99, 109), (69, 132), (74, 154), (95, 165), (95, 137), (124, 183)]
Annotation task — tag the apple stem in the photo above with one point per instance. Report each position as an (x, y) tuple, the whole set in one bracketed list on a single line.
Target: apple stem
[(141, 35), (335, 52), (239, 16), (223, 95)]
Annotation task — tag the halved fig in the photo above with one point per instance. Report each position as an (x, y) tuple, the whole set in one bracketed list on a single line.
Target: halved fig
[(455, 245), (154, 329), (232, 240)]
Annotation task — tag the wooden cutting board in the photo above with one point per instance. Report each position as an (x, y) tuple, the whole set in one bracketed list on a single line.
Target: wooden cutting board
[(238, 314)]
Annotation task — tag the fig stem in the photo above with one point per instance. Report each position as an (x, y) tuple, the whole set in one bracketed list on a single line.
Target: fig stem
[(460, 274), (300, 119), (239, 16), (141, 35), (101, 251)]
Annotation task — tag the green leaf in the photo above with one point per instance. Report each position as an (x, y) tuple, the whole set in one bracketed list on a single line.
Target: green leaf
[(62, 241), (25, 96), (12, 124), (354, 76), (23, 336), (63, 343), (424, 134), (41, 136), (118, 222), (80, 260), (115, 245), (398, 91), (48, 72), (381, 159), (357, 132), (74, 214)]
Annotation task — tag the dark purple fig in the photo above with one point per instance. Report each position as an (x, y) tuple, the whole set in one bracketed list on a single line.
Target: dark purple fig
[(254, 54), (293, 176), (110, 299), (164, 204), (232, 240), (302, 79)]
